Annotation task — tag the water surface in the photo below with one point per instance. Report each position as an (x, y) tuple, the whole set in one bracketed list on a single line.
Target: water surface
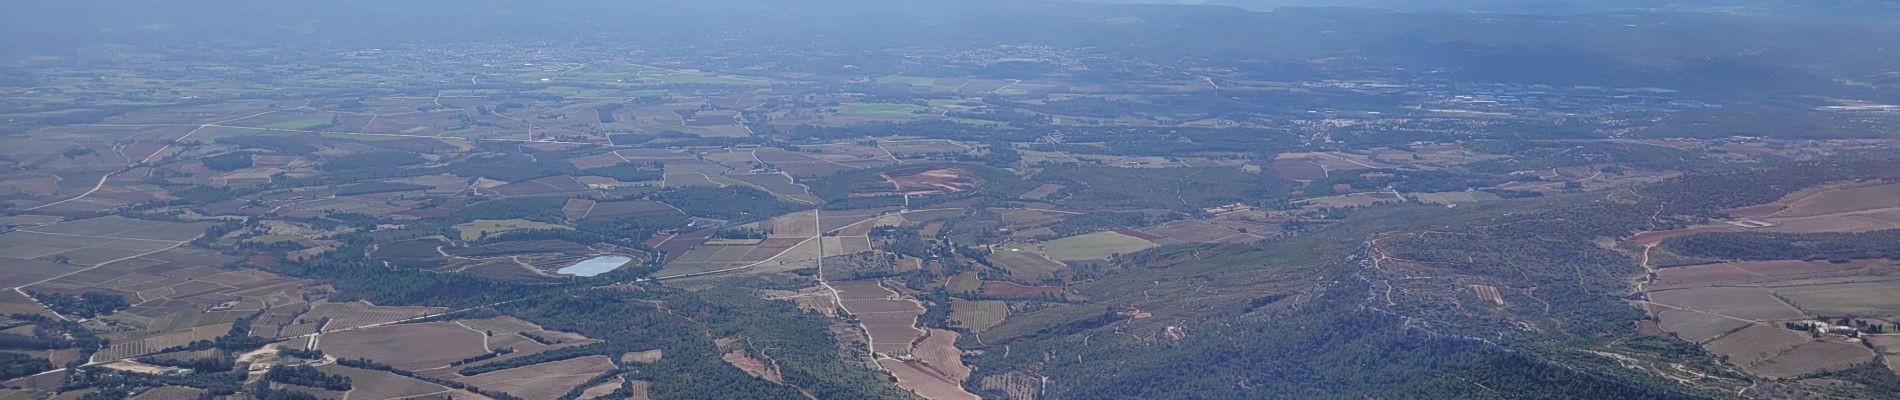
[(595, 266)]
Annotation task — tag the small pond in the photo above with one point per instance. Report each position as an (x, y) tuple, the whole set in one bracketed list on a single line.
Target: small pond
[(595, 266)]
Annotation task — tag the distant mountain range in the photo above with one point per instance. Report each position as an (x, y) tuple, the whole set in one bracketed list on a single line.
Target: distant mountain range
[(1751, 50), (1557, 6)]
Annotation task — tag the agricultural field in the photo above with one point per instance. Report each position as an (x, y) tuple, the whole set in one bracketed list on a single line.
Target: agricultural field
[(340, 316), (95, 241), (978, 315), (812, 160), (1194, 231), (1815, 287), (1025, 263), (920, 181), (1848, 207), (1738, 302), (1025, 219), (1748, 311), (1827, 200), (1814, 357), (1452, 198), (170, 297), (169, 392), (914, 375), (780, 185), (888, 321), (912, 147), (556, 186), (543, 381), (1043, 192), (836, 246), (1871, 299), (795, 225), (882, 110), (815, 161), (1756, 343), (1015, 291), (1094, 246), (484, 228), (407, 346), (773, 254), (899, 216), (385, 385)]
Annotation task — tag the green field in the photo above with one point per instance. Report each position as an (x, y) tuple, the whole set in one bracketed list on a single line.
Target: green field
[(906, 80), (212, 133), (380, 138), (300, 125), (17, 395), (474, 230), (1033, 233), (601, 92), (662, 76), (1094, 246), (954, 104), (883, 110), (978, 122), (577, 91), (472, 92), (1024, 262)]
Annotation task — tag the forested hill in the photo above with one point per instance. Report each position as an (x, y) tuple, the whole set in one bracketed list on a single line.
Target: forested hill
[(1322, 316)]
